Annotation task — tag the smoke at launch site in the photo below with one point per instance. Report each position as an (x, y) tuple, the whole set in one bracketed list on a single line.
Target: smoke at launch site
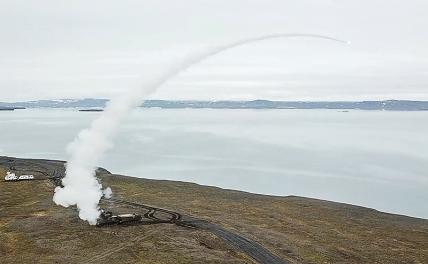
[(80, 186)]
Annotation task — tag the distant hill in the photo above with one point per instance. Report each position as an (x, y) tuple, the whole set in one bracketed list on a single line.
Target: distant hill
[(265, 104), (392, 105), (60, 103)]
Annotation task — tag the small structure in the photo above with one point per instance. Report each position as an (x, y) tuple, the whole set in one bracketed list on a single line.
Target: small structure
[(10, 177), (26, 177), (107, 218)]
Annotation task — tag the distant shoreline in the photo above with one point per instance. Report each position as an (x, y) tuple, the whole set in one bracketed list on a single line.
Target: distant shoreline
[(97, 105), (11, 108), (91, 110)]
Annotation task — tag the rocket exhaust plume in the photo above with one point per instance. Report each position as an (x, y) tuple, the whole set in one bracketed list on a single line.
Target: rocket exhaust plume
[(81, 187)]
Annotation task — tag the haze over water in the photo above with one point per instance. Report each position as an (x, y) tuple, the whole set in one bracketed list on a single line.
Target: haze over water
[(370, 158)]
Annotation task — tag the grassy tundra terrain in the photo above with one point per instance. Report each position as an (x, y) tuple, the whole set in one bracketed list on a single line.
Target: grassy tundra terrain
[(298, 230)]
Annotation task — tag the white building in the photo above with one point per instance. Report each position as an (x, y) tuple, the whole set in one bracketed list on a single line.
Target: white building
[(10, 177), (26, 177)]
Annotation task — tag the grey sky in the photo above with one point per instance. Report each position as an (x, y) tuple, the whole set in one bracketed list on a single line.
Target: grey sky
[(58, 49)]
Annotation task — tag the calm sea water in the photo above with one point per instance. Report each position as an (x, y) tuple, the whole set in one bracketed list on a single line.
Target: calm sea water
[(370, 158)]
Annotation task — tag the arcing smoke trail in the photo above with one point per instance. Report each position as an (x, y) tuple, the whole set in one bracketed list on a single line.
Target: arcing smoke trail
[(81, 187)]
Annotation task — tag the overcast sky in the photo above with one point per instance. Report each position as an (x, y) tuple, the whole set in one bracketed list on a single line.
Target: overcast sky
[(82, 48)]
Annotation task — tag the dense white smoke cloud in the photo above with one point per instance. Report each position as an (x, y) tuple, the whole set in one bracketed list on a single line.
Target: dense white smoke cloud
[(81, 187), (107, 192)]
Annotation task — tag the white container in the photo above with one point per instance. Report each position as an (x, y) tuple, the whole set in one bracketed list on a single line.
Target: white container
[(26, 177)]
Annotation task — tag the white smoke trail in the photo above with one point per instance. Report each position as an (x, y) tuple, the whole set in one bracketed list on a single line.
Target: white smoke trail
[(81, 187)]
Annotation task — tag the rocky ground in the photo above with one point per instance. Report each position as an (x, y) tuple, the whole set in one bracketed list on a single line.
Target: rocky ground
[(297, 230)]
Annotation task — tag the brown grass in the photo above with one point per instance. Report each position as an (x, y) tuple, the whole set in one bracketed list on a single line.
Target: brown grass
[(299, 230), (2, 173)]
